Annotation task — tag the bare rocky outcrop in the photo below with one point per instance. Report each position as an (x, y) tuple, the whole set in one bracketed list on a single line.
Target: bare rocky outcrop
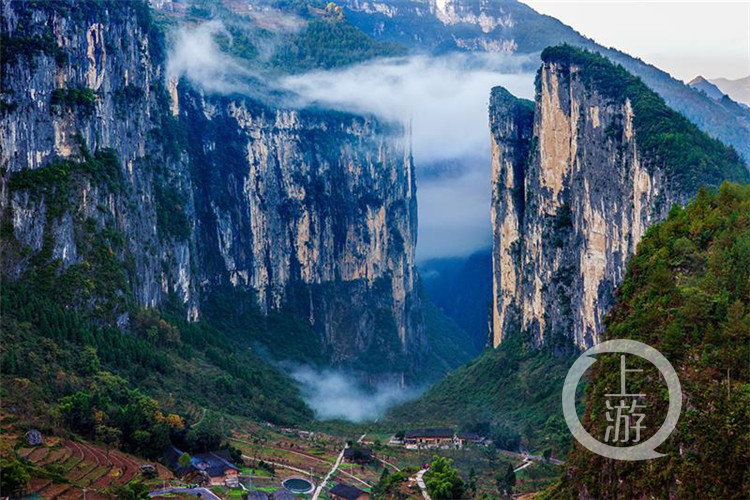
[(568, 214)]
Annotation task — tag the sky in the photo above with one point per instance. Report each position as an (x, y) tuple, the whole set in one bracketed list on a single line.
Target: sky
[(684, 38)]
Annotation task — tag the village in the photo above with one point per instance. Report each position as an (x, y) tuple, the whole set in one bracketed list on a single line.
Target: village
[(265, 462)]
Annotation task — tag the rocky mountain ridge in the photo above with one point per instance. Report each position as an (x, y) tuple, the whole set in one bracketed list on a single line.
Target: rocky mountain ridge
[(578, 177), (706, 87), (191, 194)]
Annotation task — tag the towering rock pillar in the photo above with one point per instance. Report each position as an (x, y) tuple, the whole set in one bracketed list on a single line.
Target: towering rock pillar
[(574, 193)]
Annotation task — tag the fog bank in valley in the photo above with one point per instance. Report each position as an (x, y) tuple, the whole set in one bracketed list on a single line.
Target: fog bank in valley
[(337, 395)]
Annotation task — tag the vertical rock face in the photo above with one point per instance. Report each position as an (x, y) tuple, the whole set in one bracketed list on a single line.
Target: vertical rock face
[(573, 194), (512, 124), (321, 199), (74, 84), (190, 193)]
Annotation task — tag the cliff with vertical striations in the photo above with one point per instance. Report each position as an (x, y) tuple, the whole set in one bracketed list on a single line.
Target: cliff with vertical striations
[(576, 183), (135, 191)]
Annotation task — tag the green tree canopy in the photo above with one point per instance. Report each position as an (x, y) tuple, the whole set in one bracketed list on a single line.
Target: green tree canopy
[(185, 460), (14, 479), (443, 480)]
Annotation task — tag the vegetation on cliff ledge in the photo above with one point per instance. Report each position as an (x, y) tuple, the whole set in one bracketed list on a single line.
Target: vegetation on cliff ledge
[(667, 139)]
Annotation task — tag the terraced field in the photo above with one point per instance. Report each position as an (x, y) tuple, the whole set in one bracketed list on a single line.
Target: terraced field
[(82, 465)]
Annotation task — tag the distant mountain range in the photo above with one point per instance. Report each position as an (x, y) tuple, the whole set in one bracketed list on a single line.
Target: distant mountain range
[(511, 27), (739, 89), (705, 86)]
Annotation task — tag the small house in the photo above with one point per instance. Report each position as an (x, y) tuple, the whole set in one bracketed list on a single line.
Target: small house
[(213, 468), (429, 438), (218, 467), (463, 438), (345, 492)]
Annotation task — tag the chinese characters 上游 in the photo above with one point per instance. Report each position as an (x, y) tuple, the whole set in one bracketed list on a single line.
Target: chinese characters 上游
[(626, 421)]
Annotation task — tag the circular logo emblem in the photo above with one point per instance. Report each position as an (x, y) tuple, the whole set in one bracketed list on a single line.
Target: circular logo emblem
[(623, 413)]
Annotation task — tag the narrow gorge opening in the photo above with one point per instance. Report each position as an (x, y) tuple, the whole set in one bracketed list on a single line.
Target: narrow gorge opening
[(442, 103)]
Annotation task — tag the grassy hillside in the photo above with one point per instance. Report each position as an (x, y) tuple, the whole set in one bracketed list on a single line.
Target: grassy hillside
[(462, 288), (687, 294), (449, 345), (510, 392)]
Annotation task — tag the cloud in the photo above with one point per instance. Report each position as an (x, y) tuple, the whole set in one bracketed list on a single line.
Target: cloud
[(445, 99), (454, 214), (195, 54), (275, 20), (337, 395)]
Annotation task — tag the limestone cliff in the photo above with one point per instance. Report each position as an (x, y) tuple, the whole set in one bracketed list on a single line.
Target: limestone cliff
[(576, 183), (178, 195)]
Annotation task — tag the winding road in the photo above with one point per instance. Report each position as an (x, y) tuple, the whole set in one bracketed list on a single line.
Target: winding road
[(422, 486), (336, 464)]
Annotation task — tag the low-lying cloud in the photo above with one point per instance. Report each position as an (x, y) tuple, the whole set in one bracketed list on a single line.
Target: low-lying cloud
[(454, 214), (337, 395), (195, 54), (445, 98), (275, 20)]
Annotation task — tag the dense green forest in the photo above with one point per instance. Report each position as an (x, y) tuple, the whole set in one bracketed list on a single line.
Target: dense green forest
[(165, 356), (323, 39), (666, 138), (687, 294), (330, 43)]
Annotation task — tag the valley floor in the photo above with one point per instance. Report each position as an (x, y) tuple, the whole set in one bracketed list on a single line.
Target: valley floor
[(67, 468), (293, 453)]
